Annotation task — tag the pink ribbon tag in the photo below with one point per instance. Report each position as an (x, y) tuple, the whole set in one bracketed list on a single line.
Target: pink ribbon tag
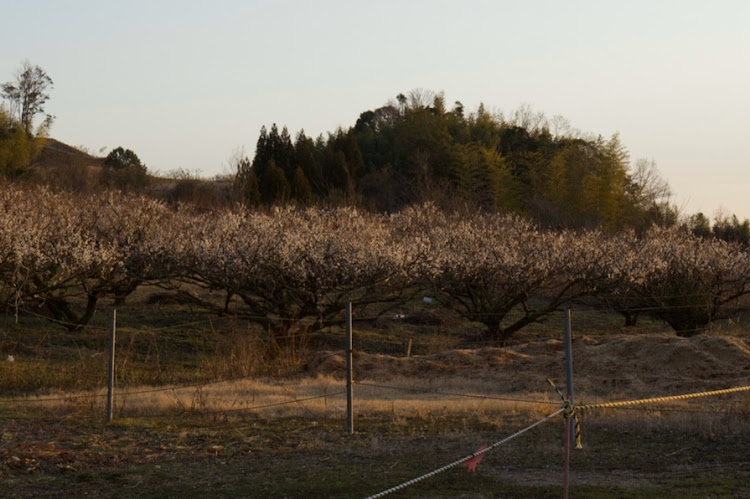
[(471, 463)]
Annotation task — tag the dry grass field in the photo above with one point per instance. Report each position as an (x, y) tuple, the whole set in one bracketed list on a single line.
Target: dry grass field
[(279, 431)]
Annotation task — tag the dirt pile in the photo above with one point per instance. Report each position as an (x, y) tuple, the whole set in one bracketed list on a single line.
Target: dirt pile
[(635, 365)]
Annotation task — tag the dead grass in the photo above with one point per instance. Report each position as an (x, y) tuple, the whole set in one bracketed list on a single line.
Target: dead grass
[(275, 426), (310, 397)]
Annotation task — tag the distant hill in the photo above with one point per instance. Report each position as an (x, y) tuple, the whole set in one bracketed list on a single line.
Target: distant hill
[(66, 167), (57, 154)]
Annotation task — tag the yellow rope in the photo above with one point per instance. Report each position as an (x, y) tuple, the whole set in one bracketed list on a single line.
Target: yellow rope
[(572, 410), (608, 405), (569, 411), (577, 425)]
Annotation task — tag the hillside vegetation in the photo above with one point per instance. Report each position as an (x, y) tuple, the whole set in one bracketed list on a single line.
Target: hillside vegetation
[(416, 149)]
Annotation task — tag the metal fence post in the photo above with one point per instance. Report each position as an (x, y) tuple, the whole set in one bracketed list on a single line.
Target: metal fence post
[(569, 426), (111, 367), (569, 354), (349, 376)]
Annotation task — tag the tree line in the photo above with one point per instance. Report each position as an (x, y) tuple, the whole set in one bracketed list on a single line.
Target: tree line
[(415, 149), (292, 269)]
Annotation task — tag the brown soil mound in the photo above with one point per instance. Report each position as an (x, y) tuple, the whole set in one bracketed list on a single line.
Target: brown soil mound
[(636, 365)]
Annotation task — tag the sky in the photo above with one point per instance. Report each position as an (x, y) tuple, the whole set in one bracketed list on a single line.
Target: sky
[(188, 84)]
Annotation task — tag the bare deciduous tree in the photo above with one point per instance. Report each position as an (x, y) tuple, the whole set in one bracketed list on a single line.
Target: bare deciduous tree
[(27, 96)]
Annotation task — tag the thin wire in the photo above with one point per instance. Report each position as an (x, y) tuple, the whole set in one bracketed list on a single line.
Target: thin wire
[(63, 323), (186, 324), (128, 394), (466, 395), (253, 408)]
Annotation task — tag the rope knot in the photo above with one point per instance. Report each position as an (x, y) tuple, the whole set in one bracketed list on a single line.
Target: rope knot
[(569, 410)]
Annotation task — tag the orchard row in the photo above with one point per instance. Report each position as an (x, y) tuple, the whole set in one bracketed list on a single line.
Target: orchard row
[(289, 269)]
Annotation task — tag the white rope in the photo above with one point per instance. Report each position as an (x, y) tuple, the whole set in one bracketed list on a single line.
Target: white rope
[(463, 459)]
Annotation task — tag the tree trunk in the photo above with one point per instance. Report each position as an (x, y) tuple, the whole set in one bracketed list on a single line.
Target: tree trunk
[(631, 318)]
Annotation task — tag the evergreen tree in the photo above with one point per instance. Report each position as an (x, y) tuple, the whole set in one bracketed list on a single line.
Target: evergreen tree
[(245, 188), (284, 154), (700, 225), (484, 129), (413, 149), (422, 152), (301, 190), (611, 196), (274, 189), (353, 155), (123, 169), (731, 229), (274, 142), (263, 155), (483, 179), (304, 150), (336, 171)]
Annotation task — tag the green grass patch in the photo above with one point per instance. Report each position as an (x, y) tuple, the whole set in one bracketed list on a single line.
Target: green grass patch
[(298, 457)]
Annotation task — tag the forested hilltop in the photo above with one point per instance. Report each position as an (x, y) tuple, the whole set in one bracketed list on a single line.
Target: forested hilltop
[(416, 149)]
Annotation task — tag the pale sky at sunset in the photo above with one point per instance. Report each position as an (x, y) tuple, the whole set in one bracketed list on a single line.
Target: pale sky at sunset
[(186, 83)]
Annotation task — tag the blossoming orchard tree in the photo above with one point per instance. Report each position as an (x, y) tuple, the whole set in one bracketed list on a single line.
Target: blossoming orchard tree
[(685, 280), (137, 232), (501, 271), (293, 270), (48, 252), (64, 255)]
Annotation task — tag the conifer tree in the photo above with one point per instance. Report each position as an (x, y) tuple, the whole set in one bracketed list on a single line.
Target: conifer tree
[(263, 154), (304, 149), (301, 190), (245, 188), (274, 189)]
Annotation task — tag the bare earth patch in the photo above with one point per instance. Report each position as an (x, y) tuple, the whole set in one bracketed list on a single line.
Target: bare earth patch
[(632, 365)]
